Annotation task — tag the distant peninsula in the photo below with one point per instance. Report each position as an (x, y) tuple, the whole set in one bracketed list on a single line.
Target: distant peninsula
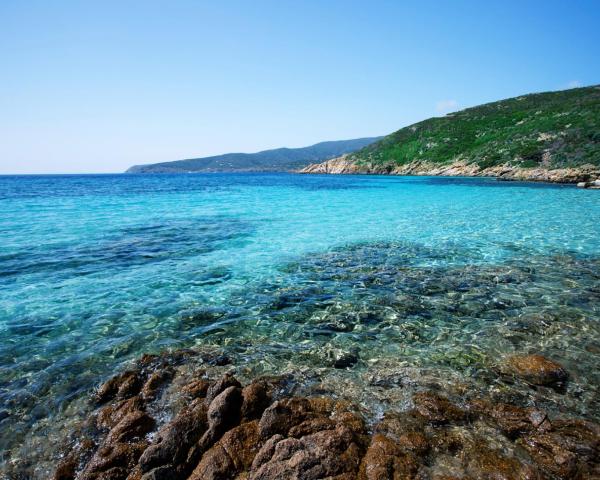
[(550, 137), (276, 160)]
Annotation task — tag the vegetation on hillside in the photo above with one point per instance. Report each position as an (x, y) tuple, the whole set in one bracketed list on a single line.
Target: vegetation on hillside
[(277, 160), (550, 130)]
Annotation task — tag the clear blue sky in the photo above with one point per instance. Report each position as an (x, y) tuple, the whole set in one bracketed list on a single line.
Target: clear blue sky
[(99, 86)]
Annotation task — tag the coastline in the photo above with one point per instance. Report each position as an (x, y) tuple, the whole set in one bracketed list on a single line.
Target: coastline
[(345, 166)]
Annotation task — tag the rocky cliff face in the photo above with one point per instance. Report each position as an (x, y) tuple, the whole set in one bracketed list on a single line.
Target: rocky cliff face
[(344, 165), (335, 165)]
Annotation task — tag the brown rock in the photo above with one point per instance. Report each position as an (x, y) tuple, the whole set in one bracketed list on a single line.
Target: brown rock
[(110, 415), (437, 409), (570, 447), (312, 425), (223, 414), (148, 360), (113, 461), (256, 399), (283, 415), (325, 440), (231, 455), (536, 369), (132, 426), (66, 469), (512, 420), (386, 460), (407, 430), (325, 454), (221, 385), (173, 441), (224, 410), (196, 389), (483, 462), (154, 382), (123, 385), (446, 441)]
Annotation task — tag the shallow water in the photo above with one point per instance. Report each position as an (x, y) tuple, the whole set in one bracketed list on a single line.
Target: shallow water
[(400, 280)]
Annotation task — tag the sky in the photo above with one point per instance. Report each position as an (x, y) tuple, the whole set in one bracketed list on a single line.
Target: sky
[(100, 86)]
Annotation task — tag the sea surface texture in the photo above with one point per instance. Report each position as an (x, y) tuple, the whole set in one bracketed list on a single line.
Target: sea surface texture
[(371, 285)]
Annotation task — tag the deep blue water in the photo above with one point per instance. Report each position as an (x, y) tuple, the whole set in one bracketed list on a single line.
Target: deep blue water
[(276, 269)]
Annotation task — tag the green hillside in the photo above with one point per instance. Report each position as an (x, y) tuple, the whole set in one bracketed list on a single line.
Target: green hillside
[(276, 160), (551, 130)]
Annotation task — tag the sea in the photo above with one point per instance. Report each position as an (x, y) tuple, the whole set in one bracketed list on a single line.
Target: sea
[(373, 284)]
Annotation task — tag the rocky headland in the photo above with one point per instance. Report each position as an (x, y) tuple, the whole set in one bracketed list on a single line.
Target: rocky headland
[(587, 174), (184, 415), (544, 137)]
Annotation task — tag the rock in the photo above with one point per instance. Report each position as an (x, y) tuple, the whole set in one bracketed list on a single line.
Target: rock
[(570, 447), (324, 439), (196, 389), (386, 460), (336, 165), (173, 441), (224, 411), (221, 360), (345, 360), (220, 385), (166, 472), (325, 454), (344, 165), (256, 398), (66, 469), (239, 434), (407, 430), (154, 382), (483, 462), (113, 462), (123, 385), (437, 409), (513, 421), (132, 426), (284, 414), (231, 455), (537, 369), (112, 414)]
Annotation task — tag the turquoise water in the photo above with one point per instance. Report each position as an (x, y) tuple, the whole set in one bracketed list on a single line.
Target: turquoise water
[(407, 275)]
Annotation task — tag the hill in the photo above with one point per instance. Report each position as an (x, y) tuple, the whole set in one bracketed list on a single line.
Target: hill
[(277, 160), (553, 136)]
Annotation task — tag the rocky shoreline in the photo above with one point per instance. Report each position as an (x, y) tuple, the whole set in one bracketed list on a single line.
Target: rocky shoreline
[(183, 415), (462, 357), (344, 165)]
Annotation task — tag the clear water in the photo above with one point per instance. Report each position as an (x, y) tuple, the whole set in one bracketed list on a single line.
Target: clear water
[(421, 278)]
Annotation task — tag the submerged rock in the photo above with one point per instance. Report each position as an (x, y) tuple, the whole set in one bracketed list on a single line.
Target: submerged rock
[(437, 409), (345, 360), (537, 369)]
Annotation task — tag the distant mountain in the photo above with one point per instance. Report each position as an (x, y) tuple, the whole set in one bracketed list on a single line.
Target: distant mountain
[(277, 160), (552, 136)]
